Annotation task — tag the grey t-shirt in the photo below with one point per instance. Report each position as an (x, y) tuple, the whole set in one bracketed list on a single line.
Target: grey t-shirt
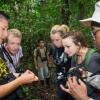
[(94, 63), (93, 66)]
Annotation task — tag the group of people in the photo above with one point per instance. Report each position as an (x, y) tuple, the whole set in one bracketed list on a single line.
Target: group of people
[(69, 52), (10, 54), (41, 60), (84, 84)]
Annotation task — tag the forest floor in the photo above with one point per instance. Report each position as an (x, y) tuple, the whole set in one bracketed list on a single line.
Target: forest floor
[(37, 92)]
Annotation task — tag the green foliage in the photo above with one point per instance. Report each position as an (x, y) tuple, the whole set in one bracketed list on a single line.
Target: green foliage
[(36, 17)]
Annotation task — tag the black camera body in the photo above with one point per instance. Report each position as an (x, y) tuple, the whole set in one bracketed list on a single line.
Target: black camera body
[(75, 71)]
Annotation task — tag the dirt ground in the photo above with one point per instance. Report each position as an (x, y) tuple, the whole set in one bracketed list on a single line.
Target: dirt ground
[(38, 92)]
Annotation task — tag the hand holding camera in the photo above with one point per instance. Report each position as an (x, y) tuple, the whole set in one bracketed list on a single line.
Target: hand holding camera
[(79, 73)]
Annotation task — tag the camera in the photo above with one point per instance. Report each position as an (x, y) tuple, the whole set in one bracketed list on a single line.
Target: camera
[(43, 59), (79, 73), (75, 71)]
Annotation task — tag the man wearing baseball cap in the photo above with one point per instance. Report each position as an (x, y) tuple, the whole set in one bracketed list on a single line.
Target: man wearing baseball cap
[(79, 90)]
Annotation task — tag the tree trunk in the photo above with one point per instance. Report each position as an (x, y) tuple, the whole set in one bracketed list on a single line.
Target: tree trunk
[(65, 13), (81, 12)]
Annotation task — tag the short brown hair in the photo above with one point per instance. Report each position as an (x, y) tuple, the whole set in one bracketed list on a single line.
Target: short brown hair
[(77, 37)]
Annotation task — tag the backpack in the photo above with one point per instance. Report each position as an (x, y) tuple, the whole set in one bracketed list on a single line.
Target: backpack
[(89, 55), (38, 54)]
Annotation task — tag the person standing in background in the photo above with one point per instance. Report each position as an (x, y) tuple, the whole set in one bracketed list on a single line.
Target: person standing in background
[(41, 63)]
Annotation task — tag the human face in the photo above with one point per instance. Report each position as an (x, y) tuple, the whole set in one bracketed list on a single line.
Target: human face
[(13, 45), (3, 29), (96, 32), (41, 43), (56, 40), (69, 47)]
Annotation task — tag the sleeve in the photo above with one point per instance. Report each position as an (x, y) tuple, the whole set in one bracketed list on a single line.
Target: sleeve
[(3, 68), (94, 81), (35, 52), (94, 66), (20, 52)]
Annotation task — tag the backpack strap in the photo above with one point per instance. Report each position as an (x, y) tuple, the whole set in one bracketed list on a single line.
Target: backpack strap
[(38, 52), (45, 50), (1, 53), (7, 55), (88, 57)]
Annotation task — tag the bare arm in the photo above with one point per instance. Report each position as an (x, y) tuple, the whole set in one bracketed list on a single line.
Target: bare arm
[(9, 87), (25, 78)]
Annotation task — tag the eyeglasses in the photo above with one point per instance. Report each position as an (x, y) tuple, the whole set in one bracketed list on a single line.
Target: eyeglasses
[(95, 31)]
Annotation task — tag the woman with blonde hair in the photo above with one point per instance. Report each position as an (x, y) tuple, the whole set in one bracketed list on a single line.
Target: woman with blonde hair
[(61, 61)]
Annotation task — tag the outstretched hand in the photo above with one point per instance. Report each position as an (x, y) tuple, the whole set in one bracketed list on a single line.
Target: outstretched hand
[(28, 77)]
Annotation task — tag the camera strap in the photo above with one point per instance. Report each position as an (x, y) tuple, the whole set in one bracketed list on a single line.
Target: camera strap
[(7, 55), (38, 53)]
